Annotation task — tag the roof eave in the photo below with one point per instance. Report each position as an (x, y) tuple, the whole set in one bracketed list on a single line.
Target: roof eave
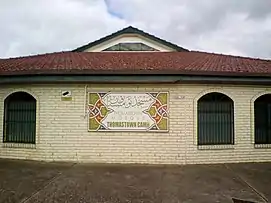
[(131, 78), (136, 71)]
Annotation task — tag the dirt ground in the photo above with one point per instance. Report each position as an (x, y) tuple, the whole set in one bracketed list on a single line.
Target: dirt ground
[(29, 181)]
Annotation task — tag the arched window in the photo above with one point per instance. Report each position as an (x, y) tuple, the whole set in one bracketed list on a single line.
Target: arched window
[(215, 119), (262, 119), (20, 118)]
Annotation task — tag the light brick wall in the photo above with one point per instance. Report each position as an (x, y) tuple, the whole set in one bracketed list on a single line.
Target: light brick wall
[(62, 129)]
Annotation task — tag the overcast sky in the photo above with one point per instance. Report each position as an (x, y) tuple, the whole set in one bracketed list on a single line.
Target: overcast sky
[(238, 27)]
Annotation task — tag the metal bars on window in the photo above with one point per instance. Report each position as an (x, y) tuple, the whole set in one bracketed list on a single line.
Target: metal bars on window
[(20, 118), (215, 120), (262, 119)]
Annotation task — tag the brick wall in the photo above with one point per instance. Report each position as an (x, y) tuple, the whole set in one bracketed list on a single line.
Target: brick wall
[(62, 128)]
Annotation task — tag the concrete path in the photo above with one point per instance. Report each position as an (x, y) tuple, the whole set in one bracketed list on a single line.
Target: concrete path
[(27, 181)]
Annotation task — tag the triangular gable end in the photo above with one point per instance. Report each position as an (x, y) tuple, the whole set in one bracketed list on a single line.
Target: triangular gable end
[(132, 45), (129, 42), (130, 39)]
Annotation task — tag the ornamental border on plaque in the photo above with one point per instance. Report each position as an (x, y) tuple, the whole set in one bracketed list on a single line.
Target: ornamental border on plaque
[(128, 111)]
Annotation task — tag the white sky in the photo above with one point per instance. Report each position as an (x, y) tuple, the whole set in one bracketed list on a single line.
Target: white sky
[(238, 27)]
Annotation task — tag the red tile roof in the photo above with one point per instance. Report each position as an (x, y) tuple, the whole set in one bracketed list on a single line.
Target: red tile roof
[(196, 63)]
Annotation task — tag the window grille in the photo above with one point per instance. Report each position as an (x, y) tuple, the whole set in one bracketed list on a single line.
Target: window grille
[(20, 118), (215, 119)]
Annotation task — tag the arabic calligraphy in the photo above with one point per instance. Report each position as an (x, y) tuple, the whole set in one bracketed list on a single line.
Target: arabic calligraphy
[(136, 111), (128, 101)]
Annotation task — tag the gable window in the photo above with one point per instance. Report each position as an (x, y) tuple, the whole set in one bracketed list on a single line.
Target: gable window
[(20, 118), (130, 47), (262, 119), (215, 119)]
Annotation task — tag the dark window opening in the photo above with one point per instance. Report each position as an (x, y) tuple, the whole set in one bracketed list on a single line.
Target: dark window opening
[(215, 119), (130, 47), (20, 118), (262, 119)]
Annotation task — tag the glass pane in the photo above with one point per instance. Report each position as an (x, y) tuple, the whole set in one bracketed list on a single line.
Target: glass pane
[(130, 47), (262, 120), (215, 119), (20, 118)]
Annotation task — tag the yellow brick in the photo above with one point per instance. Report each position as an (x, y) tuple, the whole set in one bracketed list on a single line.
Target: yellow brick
[(62, 130)]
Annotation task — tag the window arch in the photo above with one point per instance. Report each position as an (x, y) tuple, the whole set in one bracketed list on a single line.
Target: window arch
[(262, 119), (215, 114), (20, 118)]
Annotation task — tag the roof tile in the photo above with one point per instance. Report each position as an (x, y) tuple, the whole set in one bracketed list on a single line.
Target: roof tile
[(191, 62)]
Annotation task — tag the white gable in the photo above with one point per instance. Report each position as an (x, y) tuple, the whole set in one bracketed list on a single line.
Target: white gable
[(129, 38)]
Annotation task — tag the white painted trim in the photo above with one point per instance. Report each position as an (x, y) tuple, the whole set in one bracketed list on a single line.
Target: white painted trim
[(262, 146), (129, 39), (215, 147), (19, 145)]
